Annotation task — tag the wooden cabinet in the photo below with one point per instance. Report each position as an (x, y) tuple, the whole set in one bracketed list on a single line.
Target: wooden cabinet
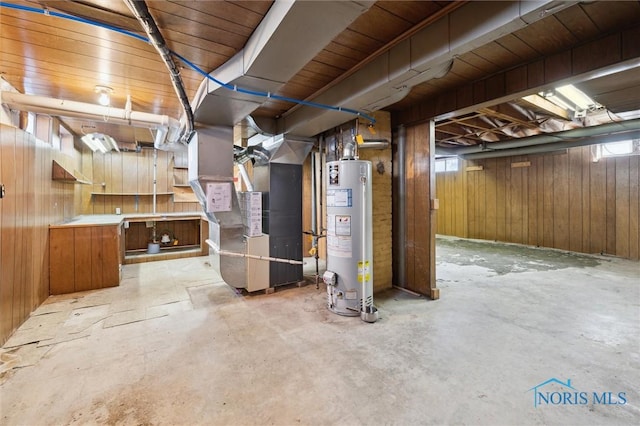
[(85, 256)]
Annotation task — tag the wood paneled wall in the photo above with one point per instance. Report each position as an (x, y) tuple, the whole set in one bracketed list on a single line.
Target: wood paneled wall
[(117, 173), (32, 202), (562, 201), (381, 216), (419, 217)]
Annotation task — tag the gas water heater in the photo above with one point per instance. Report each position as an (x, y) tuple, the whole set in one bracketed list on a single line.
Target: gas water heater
[(349, 275)]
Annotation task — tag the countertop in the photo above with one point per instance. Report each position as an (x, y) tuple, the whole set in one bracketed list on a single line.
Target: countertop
[(116, 219)]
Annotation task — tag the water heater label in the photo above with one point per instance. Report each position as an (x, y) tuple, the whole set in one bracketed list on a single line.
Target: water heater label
[(339, 246), (339, 198), (343, 225)]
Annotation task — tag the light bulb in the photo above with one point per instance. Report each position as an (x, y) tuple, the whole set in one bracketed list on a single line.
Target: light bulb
[(104, 99)]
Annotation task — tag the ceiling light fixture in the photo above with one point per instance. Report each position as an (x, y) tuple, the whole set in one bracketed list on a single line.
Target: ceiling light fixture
[(576, 96), (100, 142), (104, 95)]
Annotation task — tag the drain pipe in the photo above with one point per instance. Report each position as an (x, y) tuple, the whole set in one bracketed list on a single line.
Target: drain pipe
[(141, 12), (61, 107)]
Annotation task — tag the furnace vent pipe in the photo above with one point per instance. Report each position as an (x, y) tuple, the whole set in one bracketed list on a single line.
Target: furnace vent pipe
[(374, 144)]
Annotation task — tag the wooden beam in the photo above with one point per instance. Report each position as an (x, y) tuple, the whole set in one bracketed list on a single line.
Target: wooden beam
[(553, 109)]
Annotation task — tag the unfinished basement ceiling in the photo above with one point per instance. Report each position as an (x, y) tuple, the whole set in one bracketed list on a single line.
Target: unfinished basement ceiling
[(48, 56)]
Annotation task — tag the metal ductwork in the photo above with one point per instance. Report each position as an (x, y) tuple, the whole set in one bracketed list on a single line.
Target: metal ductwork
[(289, 36), (167, 127), (277, 175), (425, 55), (610, 132)]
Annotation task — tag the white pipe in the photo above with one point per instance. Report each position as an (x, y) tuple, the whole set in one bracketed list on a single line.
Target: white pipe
[(363, 179), (251, 256), (65, 108), (155, 175), (245, 177)]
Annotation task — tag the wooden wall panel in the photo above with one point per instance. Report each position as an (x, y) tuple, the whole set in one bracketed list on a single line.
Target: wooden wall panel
[(32, 202), (610, 192), (126, 174), (575, 200), (381, 208), (634, 207), (598, 203), (410, 206), (420, 220), (560, 202), (563, 201), (622, 206)]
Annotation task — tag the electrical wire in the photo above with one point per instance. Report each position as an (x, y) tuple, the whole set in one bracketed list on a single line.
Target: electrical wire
[(190, 64)]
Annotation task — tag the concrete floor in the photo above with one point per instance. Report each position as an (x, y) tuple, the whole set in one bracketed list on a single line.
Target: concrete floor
[(175, 345)]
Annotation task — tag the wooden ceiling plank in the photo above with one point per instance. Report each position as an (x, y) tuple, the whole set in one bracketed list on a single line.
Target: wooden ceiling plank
[(335, 60), (547, 35), (94, 13), (204, 14), (378, 24), (495, 53), (612, 15), (472, 59), (15, 40), (576, 20), (346, 51), (55, 26), (357, 41), (518, 47), (211, 33), (412, 11)]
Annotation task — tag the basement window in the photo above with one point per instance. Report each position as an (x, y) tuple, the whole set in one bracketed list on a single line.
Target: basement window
[(447, 164), (616, 149)]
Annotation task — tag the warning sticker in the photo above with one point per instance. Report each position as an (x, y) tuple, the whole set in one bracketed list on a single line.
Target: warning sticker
[(339, 246), (343, 225), (364, 271)]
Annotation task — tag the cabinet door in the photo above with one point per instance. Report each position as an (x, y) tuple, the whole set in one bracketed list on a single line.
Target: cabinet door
[(111, 249), (83, 255), (97, 257), (61, 261)]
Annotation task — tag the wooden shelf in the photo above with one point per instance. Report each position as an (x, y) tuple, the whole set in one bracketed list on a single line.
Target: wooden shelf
[(59, 173), (134, 194), (181, 185)]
